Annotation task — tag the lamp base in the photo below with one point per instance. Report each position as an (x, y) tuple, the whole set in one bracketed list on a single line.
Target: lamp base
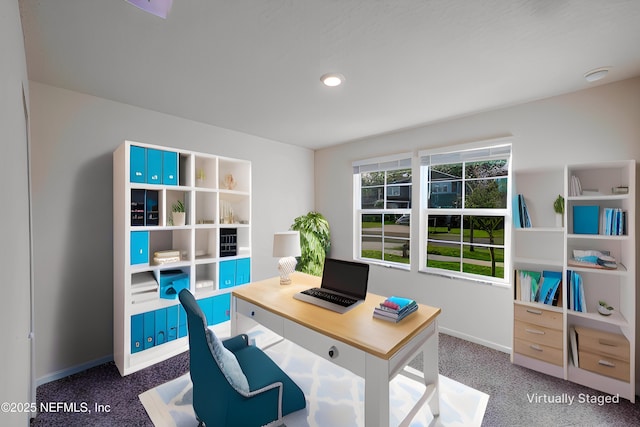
[(286, 266)]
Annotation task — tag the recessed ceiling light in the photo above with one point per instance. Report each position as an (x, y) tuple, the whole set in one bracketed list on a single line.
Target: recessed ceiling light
[(597, 74), (332, 79)]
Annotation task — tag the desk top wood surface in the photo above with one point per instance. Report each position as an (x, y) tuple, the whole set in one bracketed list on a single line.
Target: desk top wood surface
[(357, 327)]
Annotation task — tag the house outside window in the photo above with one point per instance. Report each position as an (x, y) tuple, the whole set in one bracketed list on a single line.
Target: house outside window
[(465, 211), (382, 210)]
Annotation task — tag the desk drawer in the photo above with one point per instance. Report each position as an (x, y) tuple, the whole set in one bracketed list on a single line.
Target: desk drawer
[(539, 351), (538, 334), (326, 347), (538, 316), (260, 315), (604, 365), (604, 343)]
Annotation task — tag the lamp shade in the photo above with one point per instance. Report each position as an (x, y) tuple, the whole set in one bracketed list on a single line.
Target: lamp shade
[(286, 244)]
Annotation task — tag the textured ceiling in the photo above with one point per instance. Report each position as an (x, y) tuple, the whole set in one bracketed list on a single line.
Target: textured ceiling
[(254, 65)]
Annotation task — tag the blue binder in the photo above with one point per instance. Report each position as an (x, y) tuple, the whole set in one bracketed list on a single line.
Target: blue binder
[(585, 219)]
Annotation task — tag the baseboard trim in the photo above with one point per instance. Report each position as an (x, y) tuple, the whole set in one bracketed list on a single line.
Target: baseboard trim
[(475, 340), (54, 376)]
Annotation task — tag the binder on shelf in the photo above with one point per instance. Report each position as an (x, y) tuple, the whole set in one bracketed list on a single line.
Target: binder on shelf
[(585, 219), (575, 188), (521, 216), (534, 286), (613, 222)]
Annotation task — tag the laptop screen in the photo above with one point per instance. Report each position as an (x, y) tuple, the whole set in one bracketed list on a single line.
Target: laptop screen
[(346, 277)]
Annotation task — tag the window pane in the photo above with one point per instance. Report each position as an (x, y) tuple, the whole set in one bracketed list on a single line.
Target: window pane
[(397, 225), (398, 197), (486, 193), (371, 240), (372, 197), (368, 179), (443, 255), (484, 261), (486, 169), (488, 230), (402, 176), (450, 172), (445, 194), (396, 250), (371, 247), (444, 227)]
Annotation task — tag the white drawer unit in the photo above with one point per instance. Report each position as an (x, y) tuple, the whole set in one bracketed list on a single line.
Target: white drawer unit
[(260, 315), (330, 349)]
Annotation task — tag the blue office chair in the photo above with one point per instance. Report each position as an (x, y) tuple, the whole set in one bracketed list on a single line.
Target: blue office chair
[(234, 383)]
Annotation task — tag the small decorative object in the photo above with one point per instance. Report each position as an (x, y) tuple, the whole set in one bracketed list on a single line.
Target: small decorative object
[(286, 246), (558, 207), (229, 182), (200, 176), (604, 308), (178, 213)]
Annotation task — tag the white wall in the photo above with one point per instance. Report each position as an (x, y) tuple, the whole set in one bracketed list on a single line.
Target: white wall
[(601, 123), (15, 258), (73, 138)]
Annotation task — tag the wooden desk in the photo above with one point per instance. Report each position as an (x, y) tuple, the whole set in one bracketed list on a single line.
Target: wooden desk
[(374, 349)]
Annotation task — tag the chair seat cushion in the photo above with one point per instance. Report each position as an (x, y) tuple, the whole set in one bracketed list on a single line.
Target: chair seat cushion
[(261, 371)]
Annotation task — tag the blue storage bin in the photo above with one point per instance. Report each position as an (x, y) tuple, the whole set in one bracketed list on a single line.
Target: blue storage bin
[(172, 282), (137, 164), (169, 168), (154, 166)]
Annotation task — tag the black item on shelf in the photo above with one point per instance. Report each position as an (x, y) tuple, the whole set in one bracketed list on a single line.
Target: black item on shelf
[(152, 213), (137, 207), (228, 242)]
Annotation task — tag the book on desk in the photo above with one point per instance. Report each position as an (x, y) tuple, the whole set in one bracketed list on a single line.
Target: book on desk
[(394, 309)]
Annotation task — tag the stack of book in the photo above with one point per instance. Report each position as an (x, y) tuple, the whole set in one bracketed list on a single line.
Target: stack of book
[(394, 309), (164, 257)]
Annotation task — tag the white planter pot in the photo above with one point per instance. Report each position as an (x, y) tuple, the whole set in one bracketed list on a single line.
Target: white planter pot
[(179, 218), (559, 218)]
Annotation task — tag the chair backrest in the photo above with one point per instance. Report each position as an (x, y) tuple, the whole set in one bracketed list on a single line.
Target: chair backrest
[(212, 393)]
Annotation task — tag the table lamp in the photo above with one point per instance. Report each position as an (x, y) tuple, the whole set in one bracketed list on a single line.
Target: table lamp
[(286, 246)]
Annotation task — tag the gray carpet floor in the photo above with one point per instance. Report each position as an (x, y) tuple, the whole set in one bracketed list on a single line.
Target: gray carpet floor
[(509, 387)]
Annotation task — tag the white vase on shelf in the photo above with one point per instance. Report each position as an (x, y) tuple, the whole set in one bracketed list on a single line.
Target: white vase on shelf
[(559, 220)]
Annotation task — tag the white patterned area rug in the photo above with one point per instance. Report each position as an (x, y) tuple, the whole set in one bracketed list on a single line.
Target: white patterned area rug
[(334, 396)]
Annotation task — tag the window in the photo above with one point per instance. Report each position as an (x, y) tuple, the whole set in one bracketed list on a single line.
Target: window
[(465, 212), (382, 210)]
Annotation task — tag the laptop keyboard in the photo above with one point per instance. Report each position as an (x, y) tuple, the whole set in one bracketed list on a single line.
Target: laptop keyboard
[(327, 296)]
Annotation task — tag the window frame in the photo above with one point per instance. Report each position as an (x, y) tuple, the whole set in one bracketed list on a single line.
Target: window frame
[(382, 164), (463, 154)]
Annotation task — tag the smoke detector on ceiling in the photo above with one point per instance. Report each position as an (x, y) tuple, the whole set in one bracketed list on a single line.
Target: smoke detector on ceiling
[(159, 8)]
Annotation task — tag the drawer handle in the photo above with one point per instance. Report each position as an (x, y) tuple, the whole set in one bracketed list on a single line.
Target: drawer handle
[(535, 347), (532, 311), (535, 331), (606, 363), (253, 313), (333, 352), (609, 344)]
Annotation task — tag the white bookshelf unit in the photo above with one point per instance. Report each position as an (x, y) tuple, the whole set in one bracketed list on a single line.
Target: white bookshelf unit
[(155, 257), (550, 337)]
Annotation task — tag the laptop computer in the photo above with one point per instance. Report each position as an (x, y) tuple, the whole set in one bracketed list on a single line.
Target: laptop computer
[(343, 286)]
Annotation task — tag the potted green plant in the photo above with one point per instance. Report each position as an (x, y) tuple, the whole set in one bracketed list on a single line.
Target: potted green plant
[(315, 241), (558, 207), (178, 214)]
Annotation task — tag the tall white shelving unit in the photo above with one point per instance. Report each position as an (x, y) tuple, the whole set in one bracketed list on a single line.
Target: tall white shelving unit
[(606, 345), (213, 246)]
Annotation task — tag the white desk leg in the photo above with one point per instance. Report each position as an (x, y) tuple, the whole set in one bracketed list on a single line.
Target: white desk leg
[(430, 369), (376, 392), (233, 317)]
